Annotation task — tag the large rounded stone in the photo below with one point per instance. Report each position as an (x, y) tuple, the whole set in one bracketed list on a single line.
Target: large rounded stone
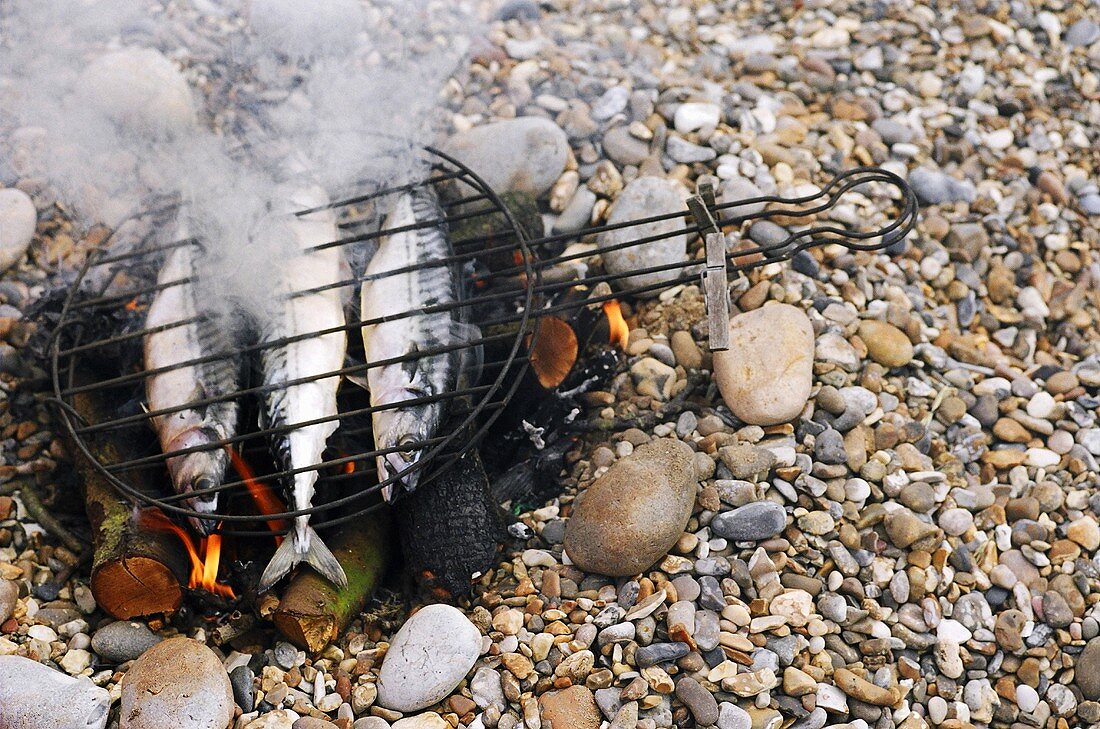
[(1087, 670), (34, 696), (632, 515), (430, 655), (646, 197), (527, 154), (139, 89), (17, 220), (177, 684), (766, 375)]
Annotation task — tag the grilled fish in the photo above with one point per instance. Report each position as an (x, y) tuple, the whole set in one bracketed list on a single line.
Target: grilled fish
[(179, 338), (308, 302), (389, 332)]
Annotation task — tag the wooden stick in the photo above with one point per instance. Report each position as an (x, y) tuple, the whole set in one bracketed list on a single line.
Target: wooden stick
[(135, 571), (313, 611)]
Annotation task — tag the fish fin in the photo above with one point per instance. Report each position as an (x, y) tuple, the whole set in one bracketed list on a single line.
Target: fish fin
[(471, 359), (359, 377), (316, 556)]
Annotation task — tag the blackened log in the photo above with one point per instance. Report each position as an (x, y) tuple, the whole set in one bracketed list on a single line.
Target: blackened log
[(451, 529)]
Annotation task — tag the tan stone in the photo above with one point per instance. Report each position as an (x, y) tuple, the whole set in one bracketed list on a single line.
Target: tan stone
[(766, 375)]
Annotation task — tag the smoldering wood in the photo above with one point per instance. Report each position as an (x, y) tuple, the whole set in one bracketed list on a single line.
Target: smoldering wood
[(136, 571), (313, 612), (451, 529)]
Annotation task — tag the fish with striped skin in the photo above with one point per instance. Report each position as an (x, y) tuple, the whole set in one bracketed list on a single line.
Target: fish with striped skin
[(179, 340), (389, 332), (309, 301)]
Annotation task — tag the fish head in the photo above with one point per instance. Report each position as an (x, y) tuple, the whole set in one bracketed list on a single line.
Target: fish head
[(196, 474), (403, 434)]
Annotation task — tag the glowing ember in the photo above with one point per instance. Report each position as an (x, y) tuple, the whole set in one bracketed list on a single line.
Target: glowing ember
[(266, 500), (131, 305), (204, 559), (554, 352), (620, 332)]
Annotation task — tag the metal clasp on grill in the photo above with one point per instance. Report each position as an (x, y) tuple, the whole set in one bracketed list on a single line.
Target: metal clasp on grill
[(715, 280)]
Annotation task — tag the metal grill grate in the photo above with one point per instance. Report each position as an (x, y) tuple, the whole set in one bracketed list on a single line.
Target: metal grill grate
[(96, 347)]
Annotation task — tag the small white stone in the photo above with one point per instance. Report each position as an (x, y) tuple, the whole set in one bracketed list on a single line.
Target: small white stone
[(1027, 698), (999, 139), (693, 116), (1041, 405), (1042, 458), (953, 630)]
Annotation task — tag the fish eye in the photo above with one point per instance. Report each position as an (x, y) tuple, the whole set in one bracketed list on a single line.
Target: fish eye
[(407, 440)]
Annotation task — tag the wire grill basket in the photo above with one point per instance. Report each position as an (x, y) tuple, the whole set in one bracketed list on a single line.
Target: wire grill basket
[(509, 300)]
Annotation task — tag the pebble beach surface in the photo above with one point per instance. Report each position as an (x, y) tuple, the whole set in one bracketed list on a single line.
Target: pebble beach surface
[(879, 509)]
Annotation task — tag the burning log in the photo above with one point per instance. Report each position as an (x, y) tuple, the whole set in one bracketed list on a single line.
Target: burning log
[(451, 529), (313, 611), (136, 571)]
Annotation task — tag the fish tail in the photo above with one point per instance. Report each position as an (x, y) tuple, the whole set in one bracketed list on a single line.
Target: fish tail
[(292, 552)]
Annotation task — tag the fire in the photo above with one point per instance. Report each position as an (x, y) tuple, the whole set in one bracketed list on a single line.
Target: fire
[(620, 332), (349, 467), (204, 559), (266, 500), (131, 305)]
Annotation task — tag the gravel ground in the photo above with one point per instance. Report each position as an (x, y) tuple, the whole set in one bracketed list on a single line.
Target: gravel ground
[(882, 512)]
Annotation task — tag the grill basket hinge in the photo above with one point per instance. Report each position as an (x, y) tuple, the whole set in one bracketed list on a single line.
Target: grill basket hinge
[(715, 280)]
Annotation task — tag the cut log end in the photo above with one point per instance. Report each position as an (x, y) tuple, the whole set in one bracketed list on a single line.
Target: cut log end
[(136, 587), (312, 632)]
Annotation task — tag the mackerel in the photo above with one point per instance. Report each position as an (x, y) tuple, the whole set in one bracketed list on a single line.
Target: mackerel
[(404, 276), (201, 372), (309, 300)]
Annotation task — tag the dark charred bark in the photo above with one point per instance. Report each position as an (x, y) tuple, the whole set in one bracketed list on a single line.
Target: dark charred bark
[(451, 529)]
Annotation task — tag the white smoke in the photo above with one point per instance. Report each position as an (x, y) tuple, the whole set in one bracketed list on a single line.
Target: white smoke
[(341, 93)]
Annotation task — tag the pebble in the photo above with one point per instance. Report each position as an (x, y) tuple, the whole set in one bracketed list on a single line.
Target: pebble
[(427, 720), (750, 523), (693, 116), (1086, 670), (431, 653), (886, 344), (526, 154), (624, 148), (178, 683), (936, 188), (698, 700), (643, 198), (766, 375), (635, 512), (34, 695), (732, 716), (123, 641), (9, 595), (17, 222), (573, 707)]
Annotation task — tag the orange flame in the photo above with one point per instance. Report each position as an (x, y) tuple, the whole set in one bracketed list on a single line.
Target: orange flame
[(620, 332), (131, 305), (205, 559), (349, 467), (266, 500)]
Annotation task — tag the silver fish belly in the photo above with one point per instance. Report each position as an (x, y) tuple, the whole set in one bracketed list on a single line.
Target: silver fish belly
[(402, 430), (299, 314), (180, 334)]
